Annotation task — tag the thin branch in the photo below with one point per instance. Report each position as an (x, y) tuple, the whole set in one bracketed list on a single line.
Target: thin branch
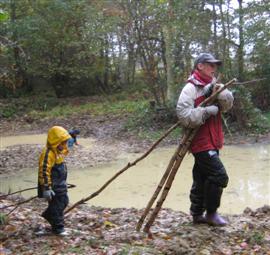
[(19, 191), (226, 125), (18, 204), (250, 82), (70, 186)]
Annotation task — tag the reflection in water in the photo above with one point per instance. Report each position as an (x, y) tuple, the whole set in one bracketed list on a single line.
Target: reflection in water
[(247, 166)]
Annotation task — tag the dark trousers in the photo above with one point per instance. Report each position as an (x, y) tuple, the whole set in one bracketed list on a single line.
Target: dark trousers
[(209, 179), (54, 214)]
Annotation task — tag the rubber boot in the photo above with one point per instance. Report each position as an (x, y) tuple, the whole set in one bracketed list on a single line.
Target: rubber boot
[(199, 219), (214, 219)]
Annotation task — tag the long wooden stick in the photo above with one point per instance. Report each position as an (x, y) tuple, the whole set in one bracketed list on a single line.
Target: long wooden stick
[(162, 181), (19, 191), (181, 154), (83, 200), (70, 186)]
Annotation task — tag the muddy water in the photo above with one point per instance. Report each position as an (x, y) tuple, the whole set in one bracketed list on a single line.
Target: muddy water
[(6, 141), (248, 167)]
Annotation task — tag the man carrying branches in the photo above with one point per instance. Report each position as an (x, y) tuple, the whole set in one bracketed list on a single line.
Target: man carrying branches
[(209, 174)]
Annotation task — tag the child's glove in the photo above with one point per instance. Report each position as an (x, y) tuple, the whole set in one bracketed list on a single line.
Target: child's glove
[(48, 194)]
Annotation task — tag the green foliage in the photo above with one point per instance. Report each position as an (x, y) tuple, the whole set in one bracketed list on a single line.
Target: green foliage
[(8, 111), (21, 106), (103, 108), (106, 46), (248, 117), (3, 15), (257, 237), (267, 116), (150, 122), (49, 107), (3, 219)]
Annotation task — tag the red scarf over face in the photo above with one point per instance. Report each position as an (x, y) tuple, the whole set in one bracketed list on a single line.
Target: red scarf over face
[(204, 79)]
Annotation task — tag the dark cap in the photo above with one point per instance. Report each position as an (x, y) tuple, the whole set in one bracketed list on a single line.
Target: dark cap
[(206, 58), (74, 132)]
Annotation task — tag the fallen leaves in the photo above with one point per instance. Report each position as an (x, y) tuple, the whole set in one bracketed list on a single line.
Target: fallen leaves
[(100, 231)]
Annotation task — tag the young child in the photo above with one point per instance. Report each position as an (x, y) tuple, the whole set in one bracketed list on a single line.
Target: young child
[(52, 177), (73, 140)]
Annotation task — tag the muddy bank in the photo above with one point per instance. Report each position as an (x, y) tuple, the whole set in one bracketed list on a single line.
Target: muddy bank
[(97, 230)]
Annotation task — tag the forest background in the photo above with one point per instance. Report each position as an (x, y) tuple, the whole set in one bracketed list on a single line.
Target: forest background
[(130, 56)]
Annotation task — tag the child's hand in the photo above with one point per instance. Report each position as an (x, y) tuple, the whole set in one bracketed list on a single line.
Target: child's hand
[(48, 194)]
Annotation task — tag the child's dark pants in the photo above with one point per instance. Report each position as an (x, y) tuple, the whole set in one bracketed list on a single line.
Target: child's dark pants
[(54, 214), (209, 179)]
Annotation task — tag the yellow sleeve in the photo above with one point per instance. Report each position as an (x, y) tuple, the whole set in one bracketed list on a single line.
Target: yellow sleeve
[(46, 162)]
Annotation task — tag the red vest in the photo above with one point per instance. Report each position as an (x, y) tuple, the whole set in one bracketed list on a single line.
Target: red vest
[(210, 135)]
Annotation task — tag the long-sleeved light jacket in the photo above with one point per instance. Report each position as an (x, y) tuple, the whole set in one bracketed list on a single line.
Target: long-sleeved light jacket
[(210, 135)]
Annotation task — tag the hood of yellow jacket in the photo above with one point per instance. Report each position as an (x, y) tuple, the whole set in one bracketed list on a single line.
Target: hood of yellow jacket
[(57, 135)]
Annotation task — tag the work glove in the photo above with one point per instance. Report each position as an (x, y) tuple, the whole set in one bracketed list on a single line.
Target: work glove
[(48, 194), (208, 89), (211, 88), (218, 86), (211, 110)]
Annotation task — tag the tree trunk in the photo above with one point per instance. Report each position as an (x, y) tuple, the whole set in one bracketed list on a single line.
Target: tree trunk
[(229, 34), (225, 51), (106, 63), (20, 76), (169, 53), (241, 43), (215, 29)]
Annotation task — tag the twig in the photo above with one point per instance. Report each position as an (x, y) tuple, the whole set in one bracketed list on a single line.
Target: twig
[(124, 169), (249, 82), (19, 191), (226, 125), (18, 204), (70, 186)]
